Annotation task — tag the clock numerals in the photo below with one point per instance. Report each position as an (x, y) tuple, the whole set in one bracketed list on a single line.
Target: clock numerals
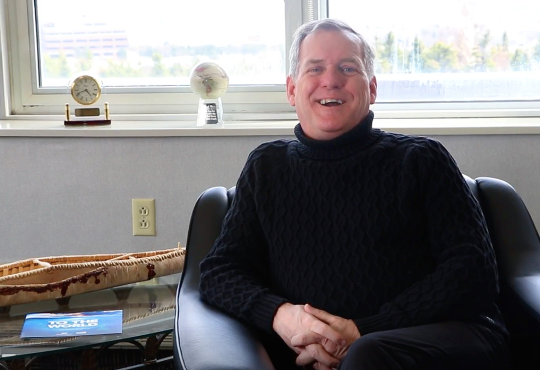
[(86, 90)]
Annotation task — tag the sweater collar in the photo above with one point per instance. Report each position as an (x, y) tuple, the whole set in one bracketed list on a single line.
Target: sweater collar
[(359, 137)]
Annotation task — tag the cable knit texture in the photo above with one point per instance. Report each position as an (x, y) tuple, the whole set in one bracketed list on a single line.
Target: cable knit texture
[(372, 226)]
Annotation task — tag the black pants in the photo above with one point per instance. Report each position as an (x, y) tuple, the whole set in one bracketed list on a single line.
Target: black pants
[(442, 346)]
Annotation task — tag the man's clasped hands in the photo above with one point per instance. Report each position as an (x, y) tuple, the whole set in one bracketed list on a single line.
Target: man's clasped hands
[(320, 339)]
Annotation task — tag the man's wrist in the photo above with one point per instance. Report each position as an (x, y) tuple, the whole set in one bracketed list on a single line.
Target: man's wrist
[(280, 312)]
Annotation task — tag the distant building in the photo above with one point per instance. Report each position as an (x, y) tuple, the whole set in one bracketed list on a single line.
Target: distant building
[(74, 39)]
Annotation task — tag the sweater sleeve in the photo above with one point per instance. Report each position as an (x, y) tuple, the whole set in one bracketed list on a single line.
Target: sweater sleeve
[(234, 275), (464, 281)]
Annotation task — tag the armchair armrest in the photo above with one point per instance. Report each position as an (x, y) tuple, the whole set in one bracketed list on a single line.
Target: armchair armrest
[(527, 288), (517, 247), (206, 338), (209, 339)]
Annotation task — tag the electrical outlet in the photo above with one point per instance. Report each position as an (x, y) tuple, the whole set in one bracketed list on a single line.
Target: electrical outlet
[(143, 212)]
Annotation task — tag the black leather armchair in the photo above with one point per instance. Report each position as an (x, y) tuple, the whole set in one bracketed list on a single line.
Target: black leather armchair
[(206, 338)]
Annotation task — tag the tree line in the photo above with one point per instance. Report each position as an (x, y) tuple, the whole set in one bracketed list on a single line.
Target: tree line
[(392, 57), (118, 67), (447, 58)]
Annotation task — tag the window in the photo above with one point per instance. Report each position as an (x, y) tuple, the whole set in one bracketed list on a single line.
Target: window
[(144, 54), (465, 52), (159, 46), (435, 58)]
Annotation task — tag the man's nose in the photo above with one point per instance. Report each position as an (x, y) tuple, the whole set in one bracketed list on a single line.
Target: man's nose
[(332, 78)]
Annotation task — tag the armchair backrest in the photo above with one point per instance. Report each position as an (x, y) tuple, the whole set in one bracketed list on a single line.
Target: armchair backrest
[(204, 228), (517, 249)]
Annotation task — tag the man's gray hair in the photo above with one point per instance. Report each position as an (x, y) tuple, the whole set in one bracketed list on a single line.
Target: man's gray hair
[(329, 25)]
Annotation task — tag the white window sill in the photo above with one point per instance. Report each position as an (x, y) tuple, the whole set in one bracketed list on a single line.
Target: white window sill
[(426, 126)]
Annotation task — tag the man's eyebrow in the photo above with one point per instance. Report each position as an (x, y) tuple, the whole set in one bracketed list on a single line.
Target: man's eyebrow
[(349, 60)]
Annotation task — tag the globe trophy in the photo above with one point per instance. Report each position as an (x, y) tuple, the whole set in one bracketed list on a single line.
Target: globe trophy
[(209, 81)]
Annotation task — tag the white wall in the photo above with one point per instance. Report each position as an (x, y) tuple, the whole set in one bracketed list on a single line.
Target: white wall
[(73, 195)]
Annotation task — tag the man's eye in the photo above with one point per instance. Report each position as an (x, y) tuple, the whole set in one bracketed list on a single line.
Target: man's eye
[(315, 69), (348, 69)]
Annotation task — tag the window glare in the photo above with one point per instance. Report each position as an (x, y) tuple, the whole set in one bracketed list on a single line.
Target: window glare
[(157, 43), (439, 50)]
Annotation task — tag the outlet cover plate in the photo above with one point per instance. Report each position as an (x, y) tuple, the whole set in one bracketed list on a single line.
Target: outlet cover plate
[(143, 214)]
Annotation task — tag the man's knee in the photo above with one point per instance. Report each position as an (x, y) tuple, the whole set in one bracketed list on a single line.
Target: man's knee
[(367, 344), (369, 350)]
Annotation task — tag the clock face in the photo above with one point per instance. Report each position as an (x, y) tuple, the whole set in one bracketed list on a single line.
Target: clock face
[(85, 90)]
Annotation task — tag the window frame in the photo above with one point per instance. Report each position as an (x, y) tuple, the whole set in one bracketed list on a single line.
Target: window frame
[(26, 99), (21, 98)]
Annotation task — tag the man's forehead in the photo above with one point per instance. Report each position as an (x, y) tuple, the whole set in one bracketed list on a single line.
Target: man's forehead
[(353, 54)]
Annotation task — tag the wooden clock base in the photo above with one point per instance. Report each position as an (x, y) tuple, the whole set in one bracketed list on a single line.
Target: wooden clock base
[(88, 122)]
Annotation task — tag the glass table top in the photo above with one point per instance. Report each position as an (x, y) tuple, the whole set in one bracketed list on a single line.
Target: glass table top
[(148, 309)]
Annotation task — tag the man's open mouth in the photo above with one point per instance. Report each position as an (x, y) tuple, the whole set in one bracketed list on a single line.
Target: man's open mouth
[(330, 102)]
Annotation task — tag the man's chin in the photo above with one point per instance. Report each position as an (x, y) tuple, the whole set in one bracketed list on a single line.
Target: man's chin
[(327, 131)]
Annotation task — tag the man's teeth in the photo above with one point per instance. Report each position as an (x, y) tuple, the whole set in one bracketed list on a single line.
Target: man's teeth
[(326, 101)]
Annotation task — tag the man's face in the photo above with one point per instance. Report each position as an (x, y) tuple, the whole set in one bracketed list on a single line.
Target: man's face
[(332, 92)]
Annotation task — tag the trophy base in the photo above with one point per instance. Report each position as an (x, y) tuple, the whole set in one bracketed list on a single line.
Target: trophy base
[(88, 122), (210, 113)]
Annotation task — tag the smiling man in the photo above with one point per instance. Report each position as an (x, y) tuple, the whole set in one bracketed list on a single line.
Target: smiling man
[(354, 248), (333, 86)]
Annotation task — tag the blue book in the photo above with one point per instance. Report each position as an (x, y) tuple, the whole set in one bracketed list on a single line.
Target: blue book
[(46, 325)]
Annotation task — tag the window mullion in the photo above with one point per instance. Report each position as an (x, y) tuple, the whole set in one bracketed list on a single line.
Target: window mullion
[(294, 17), (315, 9), (5, 97), (322, 9), (31, 13), (19, 55)]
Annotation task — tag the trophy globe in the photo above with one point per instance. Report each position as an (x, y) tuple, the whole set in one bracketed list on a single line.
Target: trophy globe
[(209, 81)]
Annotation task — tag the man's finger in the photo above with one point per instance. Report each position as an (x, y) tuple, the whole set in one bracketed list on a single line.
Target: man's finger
[(304, 339), (320, 314), (320, 355), (316, 352), (326, 331), (319, 366), (304, 358)]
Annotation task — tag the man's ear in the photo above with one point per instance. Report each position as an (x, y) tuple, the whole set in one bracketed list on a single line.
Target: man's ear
[(372, 90), (291, 91)]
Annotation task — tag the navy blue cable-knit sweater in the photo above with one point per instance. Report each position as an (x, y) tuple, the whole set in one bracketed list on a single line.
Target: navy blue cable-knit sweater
[(372, 226)]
